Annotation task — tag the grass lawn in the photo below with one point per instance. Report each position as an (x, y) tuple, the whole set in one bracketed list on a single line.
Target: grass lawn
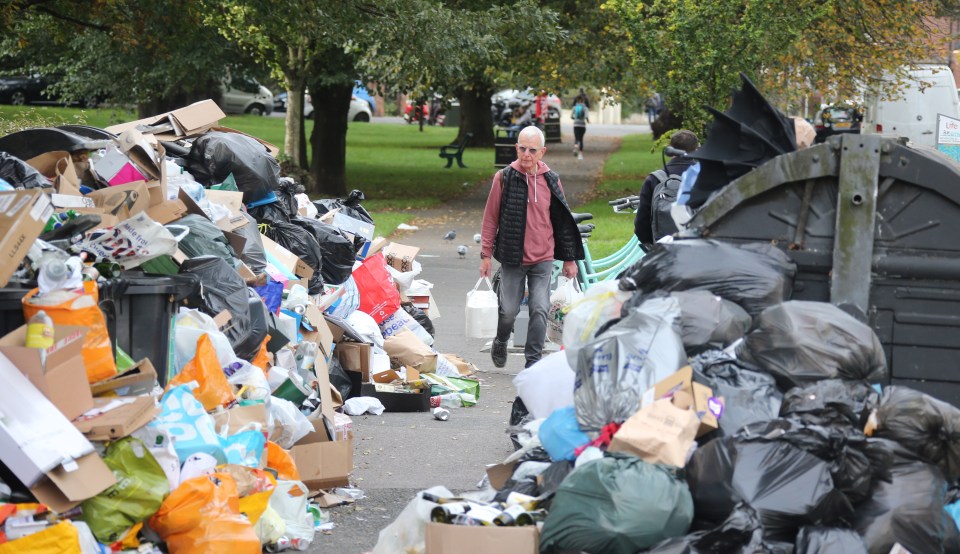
[(623, 173)]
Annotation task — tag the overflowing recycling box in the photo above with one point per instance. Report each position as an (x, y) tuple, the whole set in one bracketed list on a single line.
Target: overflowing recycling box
[(443, 538)]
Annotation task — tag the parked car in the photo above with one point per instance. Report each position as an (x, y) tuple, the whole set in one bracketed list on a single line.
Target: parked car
[(246, 95), (359, 91), (359, 110), (20, 90), (837, 119), (513, 98)]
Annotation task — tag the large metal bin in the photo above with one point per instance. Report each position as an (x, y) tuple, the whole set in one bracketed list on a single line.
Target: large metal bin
[(874, 226)]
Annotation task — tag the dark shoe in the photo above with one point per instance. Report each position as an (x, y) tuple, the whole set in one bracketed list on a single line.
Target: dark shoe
[(498, 353)]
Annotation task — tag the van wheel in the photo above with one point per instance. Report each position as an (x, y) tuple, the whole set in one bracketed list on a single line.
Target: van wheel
[(362, 117), (256, 109)]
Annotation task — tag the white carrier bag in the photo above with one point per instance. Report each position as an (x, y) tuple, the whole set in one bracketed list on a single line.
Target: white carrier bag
[(481, 311)]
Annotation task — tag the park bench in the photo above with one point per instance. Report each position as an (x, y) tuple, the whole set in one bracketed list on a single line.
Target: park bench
[(455, 151)]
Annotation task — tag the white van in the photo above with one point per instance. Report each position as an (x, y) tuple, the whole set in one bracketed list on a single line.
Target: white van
[(914, 114), (246, 95)]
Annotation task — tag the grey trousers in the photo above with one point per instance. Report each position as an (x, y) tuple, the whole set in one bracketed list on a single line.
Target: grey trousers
[(537, 280)]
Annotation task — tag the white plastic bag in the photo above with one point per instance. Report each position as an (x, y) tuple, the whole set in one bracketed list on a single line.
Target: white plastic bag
[(289, 500), (289, 424), (546, 385), (600, 304), (191, 324), (408, 532), (362, 404), (481, 311), (561, 299)]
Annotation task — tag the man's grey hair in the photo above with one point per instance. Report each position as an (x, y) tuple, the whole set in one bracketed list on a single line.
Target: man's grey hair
[(532, 130)]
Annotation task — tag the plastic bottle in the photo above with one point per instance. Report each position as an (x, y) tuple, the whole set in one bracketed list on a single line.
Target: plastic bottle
[(448, 400), (40, 331)]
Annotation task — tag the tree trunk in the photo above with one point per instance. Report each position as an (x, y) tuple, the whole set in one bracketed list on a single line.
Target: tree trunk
[(328, 142), (475, 115), (293, 125)]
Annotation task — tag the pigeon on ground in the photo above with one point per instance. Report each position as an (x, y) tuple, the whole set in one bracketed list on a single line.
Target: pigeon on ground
[(450, 235), (462, 250), (476, 238)]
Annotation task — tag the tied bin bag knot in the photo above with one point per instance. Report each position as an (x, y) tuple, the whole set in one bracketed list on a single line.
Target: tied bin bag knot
[(482, 311)]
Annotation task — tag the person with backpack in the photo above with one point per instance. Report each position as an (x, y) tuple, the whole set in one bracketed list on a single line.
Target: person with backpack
[(659, 190), (580, 119)]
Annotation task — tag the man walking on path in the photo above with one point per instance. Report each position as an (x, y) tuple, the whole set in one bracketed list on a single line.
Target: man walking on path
[(526, 226)]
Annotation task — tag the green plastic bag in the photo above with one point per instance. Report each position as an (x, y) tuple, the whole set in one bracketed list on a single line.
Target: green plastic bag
[(468, 389), (140, 489), (617, 505)]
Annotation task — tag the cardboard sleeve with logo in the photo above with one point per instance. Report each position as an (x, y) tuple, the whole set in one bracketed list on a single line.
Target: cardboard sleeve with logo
[(63, 379), (443, 538), (23, 215), (707, 407)]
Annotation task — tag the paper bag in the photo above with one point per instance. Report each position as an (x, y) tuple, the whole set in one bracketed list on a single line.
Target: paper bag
[(659, 433), (407, 349)]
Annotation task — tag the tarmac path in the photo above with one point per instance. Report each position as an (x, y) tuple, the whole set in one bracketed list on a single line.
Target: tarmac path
[(398, 454)]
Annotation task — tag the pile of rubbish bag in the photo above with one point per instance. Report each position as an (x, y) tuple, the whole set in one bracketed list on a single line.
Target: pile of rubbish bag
[(695, 408), (185, 335)]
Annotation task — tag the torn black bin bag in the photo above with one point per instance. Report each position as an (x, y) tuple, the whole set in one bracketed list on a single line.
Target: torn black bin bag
[(204, 239), (302, 245), (286, 191), (30, 143), (19, 173), (339, 378), (799, 342), (706, 320), (752, 275), (349, 206), (749, 396), (831, 402), (829, 540), (909, 509), (741, 533), (928, 427), (338, 251), (223, 289), (215, 155), (788, 487), (269, 213)]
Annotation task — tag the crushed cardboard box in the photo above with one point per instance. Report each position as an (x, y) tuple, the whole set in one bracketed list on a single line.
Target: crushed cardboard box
[(23, 214)]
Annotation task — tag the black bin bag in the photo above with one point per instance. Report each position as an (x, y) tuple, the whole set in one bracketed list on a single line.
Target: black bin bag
[(909, 509), (349, 206), (829, 540), (922, 424), (749, 396), (831, 402), (706, 320), (253, 253), (302, 245), (787, 487), (19, 173), (741, 533), (215, 155), (617, 505), (223, 289), (337, 250), (753, 275), (799, 342)]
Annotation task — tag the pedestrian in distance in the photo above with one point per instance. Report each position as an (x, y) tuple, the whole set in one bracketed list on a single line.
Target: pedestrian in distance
[(580, 118), (643, 225), (653, 105), (582, 97), (527, 224)]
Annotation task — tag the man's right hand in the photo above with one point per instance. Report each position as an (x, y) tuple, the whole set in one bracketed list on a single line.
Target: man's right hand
[(486, 267)]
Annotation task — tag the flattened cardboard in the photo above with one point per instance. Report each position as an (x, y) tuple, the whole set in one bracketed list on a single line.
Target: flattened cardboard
[(122, 201), (165, 212), (444, 538), (322, 463), (137, 380), (231, 199), (289, 260), (119, 422), (23, 215), (63, 490), (188, 121), (63, 381), (321, 334), (499, 474), (388, 376), (682, 380)]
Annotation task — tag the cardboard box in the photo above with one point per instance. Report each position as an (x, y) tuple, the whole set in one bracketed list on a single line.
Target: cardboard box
[(708, 407), (165, 212), (42, 448), (323, 463), (443, 538), (126, 414), (23, 215), (137, 380), (192, 120), (122, 201), (355, 356), (397, 400), (63, 381), (400, 256)]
